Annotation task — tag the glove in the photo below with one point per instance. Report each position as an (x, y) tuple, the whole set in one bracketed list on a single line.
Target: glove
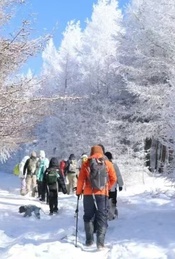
[(120, 189)]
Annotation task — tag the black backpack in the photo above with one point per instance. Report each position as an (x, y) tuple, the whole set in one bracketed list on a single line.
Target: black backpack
[(98, 175), (52, 176)]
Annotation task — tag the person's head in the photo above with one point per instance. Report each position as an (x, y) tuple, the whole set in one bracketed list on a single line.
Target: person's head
[(42, 154), (96, 149), (33, 154), (53, 162), (102, 147), (109, 155), (72, 157), (84, 157)]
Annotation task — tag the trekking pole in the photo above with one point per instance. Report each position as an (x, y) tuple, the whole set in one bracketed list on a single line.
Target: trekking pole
[(76, 229), (95, 202)]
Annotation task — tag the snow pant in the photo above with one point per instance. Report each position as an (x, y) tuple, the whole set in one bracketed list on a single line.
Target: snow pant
[(44, 193), (31, 184), (112, 210), (23, 190), (113, 196), (53, 200), (72, 179), (95, 218), (40, 188)]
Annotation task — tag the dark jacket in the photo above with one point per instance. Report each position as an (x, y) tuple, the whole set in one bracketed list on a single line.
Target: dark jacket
[(30, 166), (60, 185), (68, 162)]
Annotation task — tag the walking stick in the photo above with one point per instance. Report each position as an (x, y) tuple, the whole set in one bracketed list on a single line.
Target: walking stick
[(76, 213)]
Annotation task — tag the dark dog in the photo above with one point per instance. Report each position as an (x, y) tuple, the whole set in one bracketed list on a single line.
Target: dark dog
[(28, 209)]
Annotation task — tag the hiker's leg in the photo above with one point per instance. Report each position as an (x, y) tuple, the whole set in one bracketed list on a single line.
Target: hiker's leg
[(89, 212), (43, 192), (74, 182), (55, 201), (114, 197), (34, 184), (51, 200), (39, 183), (101, 218), (112, 205), (28, 183), (69, 184)]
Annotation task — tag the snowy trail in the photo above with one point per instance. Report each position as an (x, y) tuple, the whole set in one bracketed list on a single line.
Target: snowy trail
[(144, 230)]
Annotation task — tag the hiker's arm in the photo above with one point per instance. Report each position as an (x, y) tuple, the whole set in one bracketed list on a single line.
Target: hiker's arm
[(119, 176), (81, 180), (25, 167), (62, 183)]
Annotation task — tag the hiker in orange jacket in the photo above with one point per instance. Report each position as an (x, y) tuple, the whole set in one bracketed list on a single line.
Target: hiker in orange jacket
[(95, 201)]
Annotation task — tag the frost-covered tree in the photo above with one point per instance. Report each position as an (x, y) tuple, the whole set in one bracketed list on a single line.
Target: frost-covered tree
[(85, 66), (147, 61), (18, 107)]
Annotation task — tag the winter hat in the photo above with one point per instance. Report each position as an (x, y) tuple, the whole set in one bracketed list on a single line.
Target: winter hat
[(33, 154), (53, 162), (42, 154), (96, 149), (84, 156), (109, 155)]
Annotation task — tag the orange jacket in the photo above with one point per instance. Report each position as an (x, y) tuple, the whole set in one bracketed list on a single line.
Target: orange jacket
[(83, 184)]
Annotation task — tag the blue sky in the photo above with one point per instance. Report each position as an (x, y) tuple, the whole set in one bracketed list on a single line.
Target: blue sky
[(50, 14)]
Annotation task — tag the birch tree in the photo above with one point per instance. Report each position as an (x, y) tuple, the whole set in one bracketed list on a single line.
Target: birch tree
[(19, 109)]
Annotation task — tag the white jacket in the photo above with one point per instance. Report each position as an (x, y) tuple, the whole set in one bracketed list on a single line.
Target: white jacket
[(119, 182)]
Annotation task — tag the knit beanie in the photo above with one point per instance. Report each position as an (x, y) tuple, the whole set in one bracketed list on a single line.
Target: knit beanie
[(96, 149)]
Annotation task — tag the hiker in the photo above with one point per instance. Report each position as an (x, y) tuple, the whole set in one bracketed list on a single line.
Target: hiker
[(23, 190), (52, 180), (29, 172), (119, 183), (42, 165), (83, 158), (72, 173), (95, 200)]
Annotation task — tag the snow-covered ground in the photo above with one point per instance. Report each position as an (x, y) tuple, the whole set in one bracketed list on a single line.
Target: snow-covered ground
[(145, 228)]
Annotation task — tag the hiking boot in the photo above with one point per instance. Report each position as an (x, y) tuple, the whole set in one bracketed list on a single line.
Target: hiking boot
[(100, 247), (89, 243), (51, 213)]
